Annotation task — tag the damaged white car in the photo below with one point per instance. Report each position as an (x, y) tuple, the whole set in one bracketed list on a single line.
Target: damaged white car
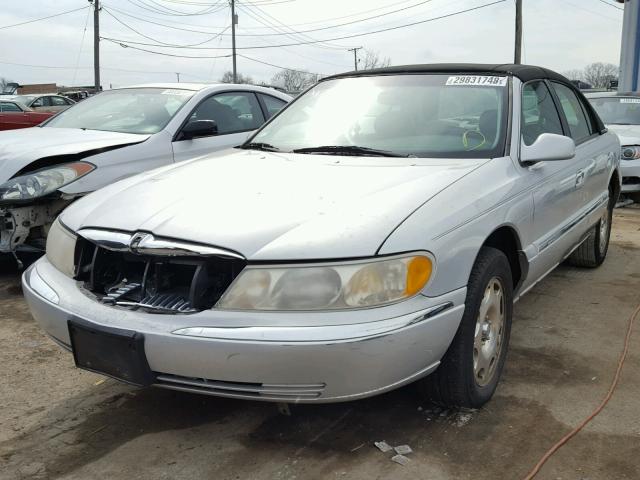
[(114, 135)]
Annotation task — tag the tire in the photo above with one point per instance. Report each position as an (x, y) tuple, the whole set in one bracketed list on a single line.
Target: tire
[(592, 252), (459, 380)]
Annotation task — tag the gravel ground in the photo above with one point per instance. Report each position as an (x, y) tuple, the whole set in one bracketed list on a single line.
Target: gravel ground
[(59, 422)]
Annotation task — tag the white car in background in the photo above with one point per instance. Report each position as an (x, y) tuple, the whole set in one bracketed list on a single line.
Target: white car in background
[(114, 135), (621, 114)]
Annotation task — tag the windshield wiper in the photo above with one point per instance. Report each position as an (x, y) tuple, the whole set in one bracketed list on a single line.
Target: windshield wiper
[(259, 146), (349, 150)]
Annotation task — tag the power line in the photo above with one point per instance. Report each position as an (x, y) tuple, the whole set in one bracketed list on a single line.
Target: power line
[(279, 26), (172, 45), (150, 8), (122, 12), (345, 37), (340, 24), (58, 67), (125, 45), (276, 66), (43, 18), (277, 33), (84, 32)]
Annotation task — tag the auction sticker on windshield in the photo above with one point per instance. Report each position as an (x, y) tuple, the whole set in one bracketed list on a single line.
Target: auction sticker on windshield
[(477, 80), (630, 100)]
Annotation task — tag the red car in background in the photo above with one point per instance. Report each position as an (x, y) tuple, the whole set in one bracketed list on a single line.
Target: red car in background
[(14, 115)]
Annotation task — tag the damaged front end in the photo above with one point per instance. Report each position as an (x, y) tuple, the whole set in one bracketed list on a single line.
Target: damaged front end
[(31, 201)]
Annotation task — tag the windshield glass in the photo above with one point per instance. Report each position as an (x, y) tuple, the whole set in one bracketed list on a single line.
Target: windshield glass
[(618, 110), (445, 116), (130, 110)]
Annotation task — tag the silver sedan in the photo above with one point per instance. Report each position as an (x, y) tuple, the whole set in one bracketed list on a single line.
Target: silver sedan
[(374, 233)]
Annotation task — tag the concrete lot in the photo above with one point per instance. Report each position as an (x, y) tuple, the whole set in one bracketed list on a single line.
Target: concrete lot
[(60, 422)]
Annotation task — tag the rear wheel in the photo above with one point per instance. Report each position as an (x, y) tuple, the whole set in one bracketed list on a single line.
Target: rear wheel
[(592, 252), (470, 370)]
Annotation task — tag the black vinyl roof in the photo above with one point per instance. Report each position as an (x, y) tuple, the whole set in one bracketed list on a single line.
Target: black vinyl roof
[(523, 72)]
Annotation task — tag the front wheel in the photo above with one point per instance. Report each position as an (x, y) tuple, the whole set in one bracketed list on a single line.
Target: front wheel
[(470, 370)]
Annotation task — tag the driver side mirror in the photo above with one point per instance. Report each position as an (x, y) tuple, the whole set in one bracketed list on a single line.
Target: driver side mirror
[(198, 128), (548, 147)]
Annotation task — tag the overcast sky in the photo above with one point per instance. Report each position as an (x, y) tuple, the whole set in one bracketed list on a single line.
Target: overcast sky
[(559, 34)]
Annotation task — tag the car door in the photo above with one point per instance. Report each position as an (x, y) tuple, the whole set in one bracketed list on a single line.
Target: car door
[(236, 113), (12, 116), (41, 104), (592, 175), (555, 197)]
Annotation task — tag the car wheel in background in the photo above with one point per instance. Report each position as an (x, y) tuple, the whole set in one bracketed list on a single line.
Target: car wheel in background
[(470, 370), (592, 252)]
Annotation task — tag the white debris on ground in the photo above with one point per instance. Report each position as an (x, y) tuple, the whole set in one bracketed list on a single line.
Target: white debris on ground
[(460, 419), (401, 459), (403, 449), (400, 450), (383, 446)]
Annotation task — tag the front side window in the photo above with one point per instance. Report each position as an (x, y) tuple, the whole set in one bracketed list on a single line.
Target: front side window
[(39, 102), (422, 115), (578, 123), (129, 110), (618, 110), (233, 112), (539, 114)]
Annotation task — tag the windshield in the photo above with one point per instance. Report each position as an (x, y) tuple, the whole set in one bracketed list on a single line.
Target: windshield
[(618, 110), (445, 116), (129, 110)]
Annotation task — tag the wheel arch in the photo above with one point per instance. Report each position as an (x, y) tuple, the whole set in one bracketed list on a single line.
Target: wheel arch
[(506, 239), (615, 183)]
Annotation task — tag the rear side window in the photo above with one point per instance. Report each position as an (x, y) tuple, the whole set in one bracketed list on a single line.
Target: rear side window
[(9, 107), (579, 126), (539, 114), (58, 102), (273, 104)]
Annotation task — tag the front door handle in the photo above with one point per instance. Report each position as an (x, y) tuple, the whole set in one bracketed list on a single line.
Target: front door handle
[(580, 179)]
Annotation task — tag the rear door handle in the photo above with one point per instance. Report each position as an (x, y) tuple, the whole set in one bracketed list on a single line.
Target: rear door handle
[(580, 179)]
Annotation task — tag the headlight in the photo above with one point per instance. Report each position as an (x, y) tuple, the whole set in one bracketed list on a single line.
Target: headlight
[(631, 152), (43, 182), (360, 284), (61, 246)]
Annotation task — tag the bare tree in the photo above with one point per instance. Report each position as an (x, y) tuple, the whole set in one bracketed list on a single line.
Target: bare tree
[(294, 80), (600, 74), (227, 77), (575, 74), (372, 59)]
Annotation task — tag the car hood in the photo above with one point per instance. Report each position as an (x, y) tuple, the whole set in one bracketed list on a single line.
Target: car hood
[(19, 148), (628, 134), (273, 206)]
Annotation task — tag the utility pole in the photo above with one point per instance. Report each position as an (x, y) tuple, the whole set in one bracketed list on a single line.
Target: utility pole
[(518, 47), (178, 75), (234, 21), (96, 44), (355, 56)]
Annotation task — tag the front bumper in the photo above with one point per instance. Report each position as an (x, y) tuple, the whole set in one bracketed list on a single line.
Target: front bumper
[(630, 171), (286, 357)]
